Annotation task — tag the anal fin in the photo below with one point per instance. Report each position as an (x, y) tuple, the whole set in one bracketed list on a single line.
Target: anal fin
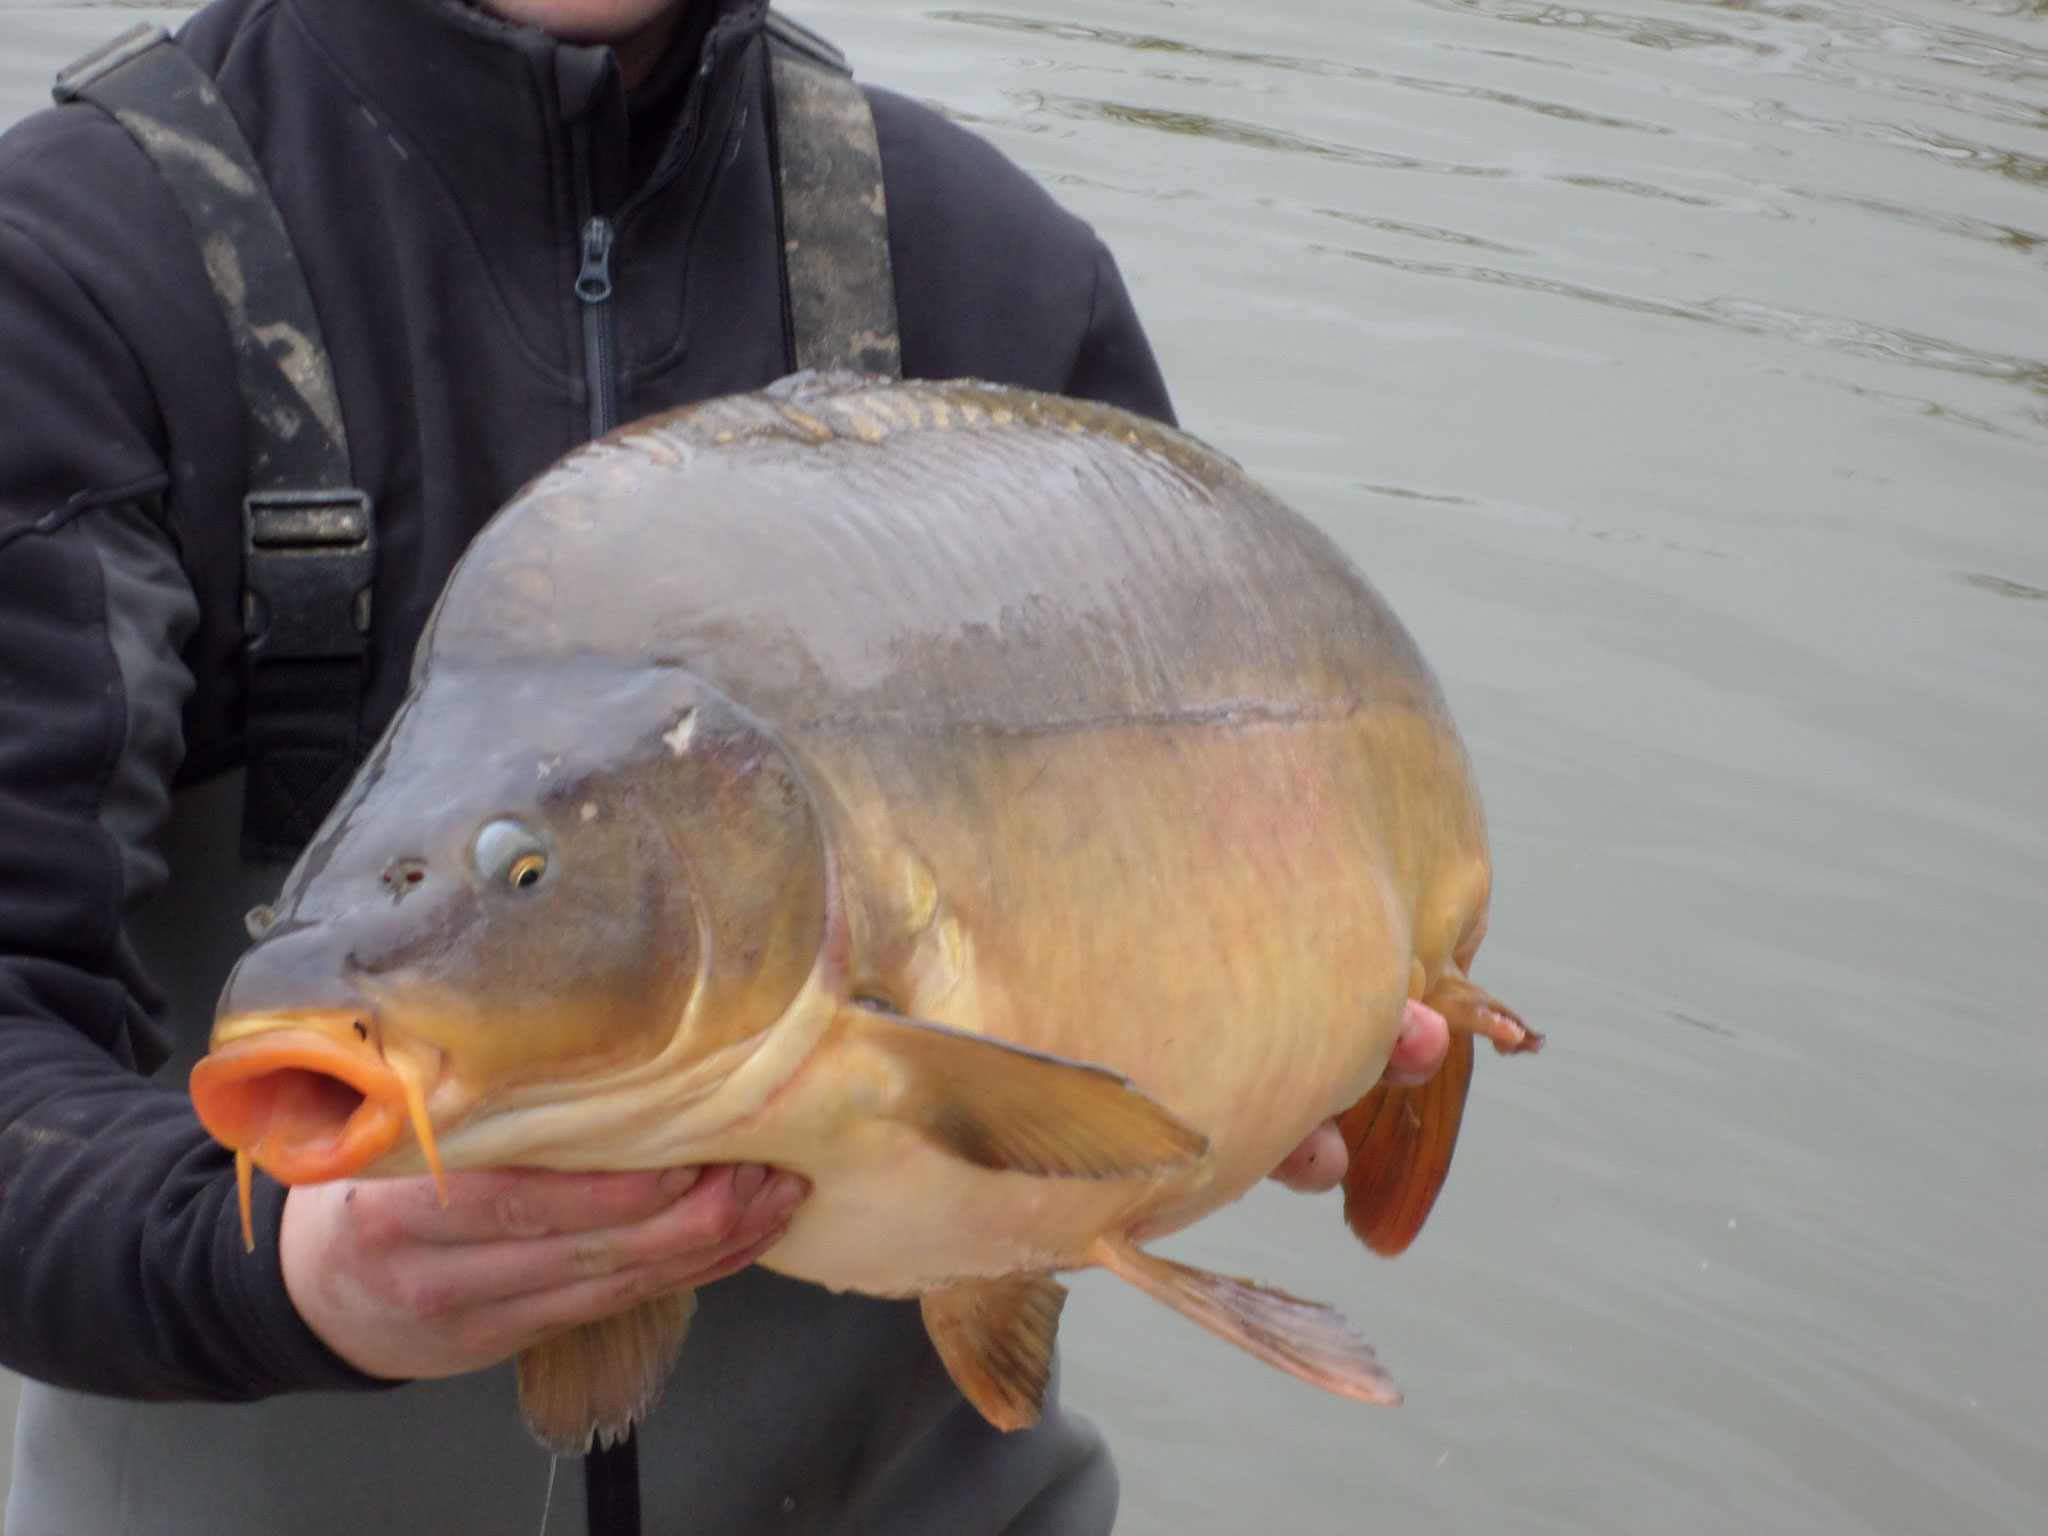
[(591, 1383), (1303, 1338), (1001, 1106), (996, 1338)]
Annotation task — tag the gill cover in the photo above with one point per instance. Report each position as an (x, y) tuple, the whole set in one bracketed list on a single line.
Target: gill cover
[(540, 878)]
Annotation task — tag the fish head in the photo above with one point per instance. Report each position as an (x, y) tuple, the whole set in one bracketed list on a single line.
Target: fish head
[(542, 879)]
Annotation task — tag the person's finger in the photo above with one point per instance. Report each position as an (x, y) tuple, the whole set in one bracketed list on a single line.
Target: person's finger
[(1419, 1051), (492, 1330), (523, 1321), (488, 1203), (700, 1232), (1317, 1163)]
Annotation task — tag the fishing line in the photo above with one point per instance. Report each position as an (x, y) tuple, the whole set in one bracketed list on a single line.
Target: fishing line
[(548, 1502)]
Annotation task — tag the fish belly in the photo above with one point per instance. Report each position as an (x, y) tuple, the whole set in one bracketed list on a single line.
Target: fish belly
[(1227, 909), (891, 1215)]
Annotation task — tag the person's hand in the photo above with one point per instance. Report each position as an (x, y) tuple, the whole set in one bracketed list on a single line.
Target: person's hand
[(1318, 1163), (401, 1286)]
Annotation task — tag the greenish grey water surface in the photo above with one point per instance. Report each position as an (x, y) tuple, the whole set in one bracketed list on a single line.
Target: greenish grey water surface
[(1679, 369)]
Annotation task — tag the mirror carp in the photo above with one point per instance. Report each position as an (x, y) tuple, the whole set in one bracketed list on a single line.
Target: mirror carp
[(992, 807)]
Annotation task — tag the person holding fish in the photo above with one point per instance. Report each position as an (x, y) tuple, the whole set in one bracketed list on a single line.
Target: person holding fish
[(520, 222)]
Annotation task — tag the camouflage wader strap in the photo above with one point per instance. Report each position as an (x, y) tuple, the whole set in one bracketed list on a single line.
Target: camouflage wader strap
[(308, 539), (838, 293)]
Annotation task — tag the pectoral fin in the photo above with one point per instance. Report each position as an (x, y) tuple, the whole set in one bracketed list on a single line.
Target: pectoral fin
[(1401, 1139), (996, 1338), (1303, 1338), (593, 1382), (1001, 1106)]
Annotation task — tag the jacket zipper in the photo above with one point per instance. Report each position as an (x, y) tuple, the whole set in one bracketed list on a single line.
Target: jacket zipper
[(594, 276), (600, 325)]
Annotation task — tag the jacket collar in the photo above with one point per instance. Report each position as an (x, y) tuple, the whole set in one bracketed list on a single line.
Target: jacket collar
[(507, 109)]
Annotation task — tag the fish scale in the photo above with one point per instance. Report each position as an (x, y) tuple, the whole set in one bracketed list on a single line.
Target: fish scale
[(997, 535)]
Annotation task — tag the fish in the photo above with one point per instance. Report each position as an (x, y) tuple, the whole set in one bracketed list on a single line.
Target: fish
[(993, 807)]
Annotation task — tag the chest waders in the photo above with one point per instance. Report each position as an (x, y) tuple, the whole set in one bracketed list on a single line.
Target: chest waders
[(309, 542)]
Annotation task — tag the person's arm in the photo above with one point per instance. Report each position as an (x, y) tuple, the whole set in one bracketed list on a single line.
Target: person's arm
[(994, 280), (1114, 362), (122, 1268), (122, 1265), (403, 1285)]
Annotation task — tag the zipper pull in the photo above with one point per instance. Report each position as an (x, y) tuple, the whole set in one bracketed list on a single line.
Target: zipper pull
[(594, 282)]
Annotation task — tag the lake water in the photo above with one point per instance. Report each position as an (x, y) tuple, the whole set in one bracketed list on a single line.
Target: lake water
[(1680, 372)]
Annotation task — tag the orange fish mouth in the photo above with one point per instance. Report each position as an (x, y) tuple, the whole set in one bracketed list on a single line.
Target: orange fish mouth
[(305, 1107)]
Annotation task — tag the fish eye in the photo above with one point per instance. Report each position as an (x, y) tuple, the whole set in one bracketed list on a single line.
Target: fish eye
[(511, 853)]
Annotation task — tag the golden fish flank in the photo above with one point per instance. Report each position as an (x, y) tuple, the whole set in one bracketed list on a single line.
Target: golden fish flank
[(994, 808)]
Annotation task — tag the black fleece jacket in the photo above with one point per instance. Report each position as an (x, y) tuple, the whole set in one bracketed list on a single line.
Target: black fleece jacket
[(434, 167)]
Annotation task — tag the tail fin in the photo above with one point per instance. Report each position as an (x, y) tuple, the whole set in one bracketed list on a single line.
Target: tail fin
[(1401, 1139)]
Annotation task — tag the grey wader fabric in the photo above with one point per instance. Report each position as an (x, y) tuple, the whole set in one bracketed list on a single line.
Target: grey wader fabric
[(792, 1410)]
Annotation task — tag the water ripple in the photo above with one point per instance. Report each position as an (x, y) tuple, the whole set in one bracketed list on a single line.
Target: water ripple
[(1632, 188), (1643, 31), (1250, 135), (1143, 42), (2000, 585), (1936, 410), (1831, 332), (1816, 42), (1987, 231), (1421, 231), (1229, 130), (1863, 26)]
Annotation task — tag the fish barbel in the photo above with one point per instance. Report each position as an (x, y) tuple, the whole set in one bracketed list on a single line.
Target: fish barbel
[(992, 807)]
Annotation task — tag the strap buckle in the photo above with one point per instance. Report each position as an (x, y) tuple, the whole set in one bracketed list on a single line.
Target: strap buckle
[(307, 561)]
